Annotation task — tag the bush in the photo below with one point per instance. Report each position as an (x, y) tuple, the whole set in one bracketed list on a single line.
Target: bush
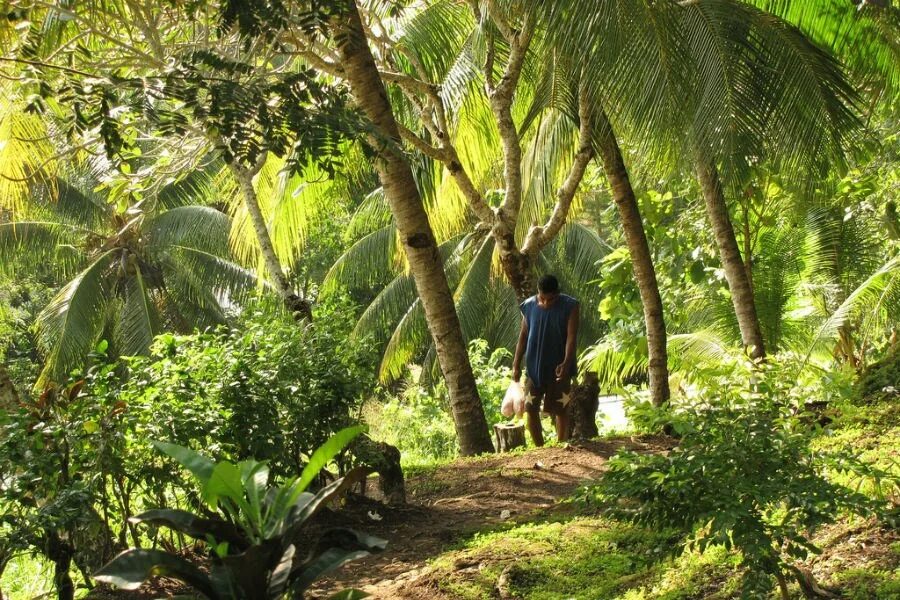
[(743, 476), (881, 381), (273, 388), (76, 463)]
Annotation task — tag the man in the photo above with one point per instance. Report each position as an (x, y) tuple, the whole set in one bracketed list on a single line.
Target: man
[(547, 341)]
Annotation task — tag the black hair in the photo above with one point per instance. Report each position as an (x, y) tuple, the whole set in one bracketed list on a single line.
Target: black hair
[(548, 284)]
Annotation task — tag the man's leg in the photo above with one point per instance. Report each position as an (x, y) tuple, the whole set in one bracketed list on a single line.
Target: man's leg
[(563, 426), (533, 397), (556, 402), (534, 425)]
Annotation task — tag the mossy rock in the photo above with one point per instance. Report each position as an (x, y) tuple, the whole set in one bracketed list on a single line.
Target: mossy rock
[(881, 381)]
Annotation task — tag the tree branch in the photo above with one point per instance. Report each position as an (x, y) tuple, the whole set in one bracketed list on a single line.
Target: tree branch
[(420, 144), (409, 82), (539, 237), (501, 104)]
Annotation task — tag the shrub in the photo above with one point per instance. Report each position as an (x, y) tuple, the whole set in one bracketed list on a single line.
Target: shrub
[(881, 381), (273, 389), (743, 476)]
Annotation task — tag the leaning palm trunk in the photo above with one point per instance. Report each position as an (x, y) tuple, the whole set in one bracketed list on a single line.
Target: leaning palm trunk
[(642, 262), (292, 302), (735, 272), (415, 231)]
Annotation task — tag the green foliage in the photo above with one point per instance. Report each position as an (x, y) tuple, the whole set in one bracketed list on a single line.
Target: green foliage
[(274, 389), (743, 476), (259, 542), (417, 420), (870, 584), (881, 381), (77, 462)]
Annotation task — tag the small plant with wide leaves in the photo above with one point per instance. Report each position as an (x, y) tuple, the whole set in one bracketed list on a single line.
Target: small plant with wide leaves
[(260, 547)]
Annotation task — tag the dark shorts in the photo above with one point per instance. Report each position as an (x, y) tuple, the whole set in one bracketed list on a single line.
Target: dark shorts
[(554, 395)]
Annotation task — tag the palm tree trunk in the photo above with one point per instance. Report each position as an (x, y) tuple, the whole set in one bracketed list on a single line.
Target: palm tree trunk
[(294, 303), (642, 262), (730, 255), (414, 229)]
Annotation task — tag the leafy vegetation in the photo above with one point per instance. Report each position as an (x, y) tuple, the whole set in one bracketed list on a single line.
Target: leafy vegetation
[(743, 476), (257, 535), (245, 228)]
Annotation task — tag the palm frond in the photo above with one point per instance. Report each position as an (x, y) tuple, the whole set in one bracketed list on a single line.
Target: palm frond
[(614, 362), (875, 301), (473, 293), (436, 35), (369, 261), (407, 340), (138, 322), (201, 227), (196, 186), (766, 90), (380, 318), (26, 153), (72, 200), (40, 244), (71, 324), (225, 280), (865, 38), (374, 213)]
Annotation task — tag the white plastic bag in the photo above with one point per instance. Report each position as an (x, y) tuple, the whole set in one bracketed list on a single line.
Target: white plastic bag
[(513, 401)]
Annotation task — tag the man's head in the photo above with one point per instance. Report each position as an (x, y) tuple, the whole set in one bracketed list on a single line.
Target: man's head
[(548, 290)]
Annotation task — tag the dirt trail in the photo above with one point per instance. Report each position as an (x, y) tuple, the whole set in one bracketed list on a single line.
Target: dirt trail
[(459, 499)]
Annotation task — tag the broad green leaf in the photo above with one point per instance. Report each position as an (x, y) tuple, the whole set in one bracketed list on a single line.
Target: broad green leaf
[(194, 526), (196, 463), (225, 482), (131, 568), (325, 453)]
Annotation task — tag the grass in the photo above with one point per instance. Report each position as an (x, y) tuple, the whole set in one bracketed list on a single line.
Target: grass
[(26, 577), (582, 557)]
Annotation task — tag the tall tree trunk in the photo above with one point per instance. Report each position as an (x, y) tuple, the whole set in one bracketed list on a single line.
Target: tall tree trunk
[(414, 229), (641, 261), (730, 255), (294, 303)]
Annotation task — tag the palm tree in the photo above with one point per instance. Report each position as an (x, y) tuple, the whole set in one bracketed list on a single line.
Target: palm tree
[(130, 272), (765, 114), (414, 231)]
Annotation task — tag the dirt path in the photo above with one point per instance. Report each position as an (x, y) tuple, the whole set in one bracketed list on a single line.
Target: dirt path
[(459, 499)]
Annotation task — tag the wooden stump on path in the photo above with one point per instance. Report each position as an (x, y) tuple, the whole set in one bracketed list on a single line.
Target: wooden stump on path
[(509, 436)]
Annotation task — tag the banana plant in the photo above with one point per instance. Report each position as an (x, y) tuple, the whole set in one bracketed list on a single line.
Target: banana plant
[(260, 546)]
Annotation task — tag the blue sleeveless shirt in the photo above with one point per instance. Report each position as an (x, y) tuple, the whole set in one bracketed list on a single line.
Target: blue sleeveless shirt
[(547, 333)]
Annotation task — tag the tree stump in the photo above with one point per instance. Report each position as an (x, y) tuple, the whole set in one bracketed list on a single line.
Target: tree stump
[(583, 408), (383, 459), (508, 436)]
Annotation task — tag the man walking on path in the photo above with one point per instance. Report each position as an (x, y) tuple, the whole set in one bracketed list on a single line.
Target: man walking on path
[(547, 341)]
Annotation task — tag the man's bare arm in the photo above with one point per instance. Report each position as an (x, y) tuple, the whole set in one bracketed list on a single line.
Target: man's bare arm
[(520, 350)]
